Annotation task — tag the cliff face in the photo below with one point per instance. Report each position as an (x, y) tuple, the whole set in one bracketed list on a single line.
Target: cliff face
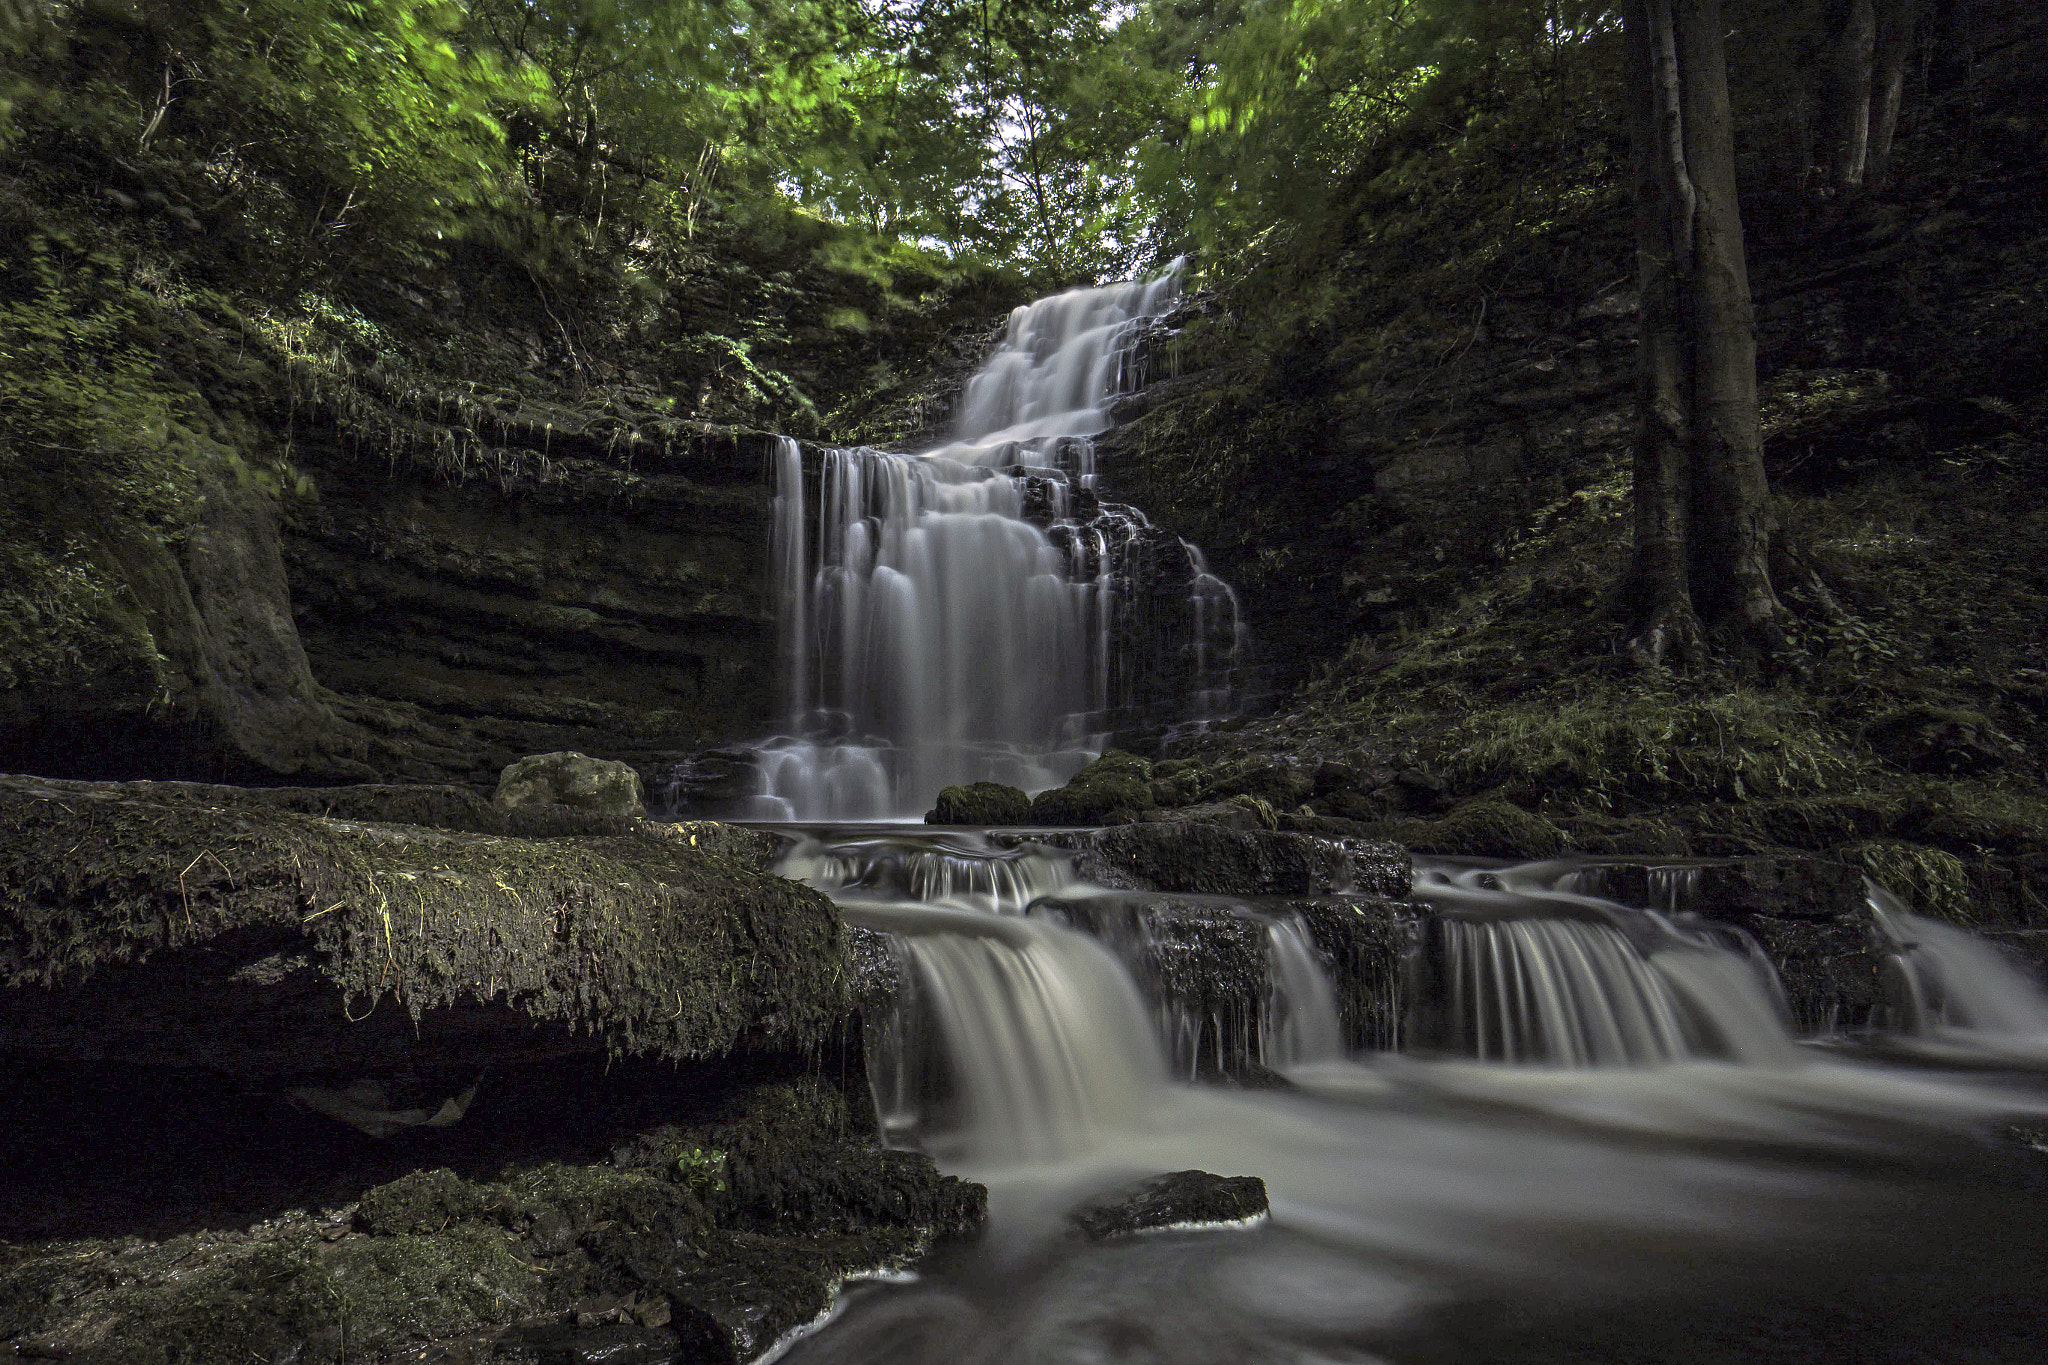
[(563, 595), (588, 592)]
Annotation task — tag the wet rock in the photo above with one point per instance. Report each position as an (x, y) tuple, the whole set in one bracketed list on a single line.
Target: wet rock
[(565, 1344), (1237, 813), (846, 1189), (1201, 856), (1365, 943), (709, 780), (877, 969), (980, 803), (1184, 1199), (570, 779)]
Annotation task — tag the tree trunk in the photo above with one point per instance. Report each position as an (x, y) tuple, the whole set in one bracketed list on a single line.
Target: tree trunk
[(1705, 528), (1849, 92), (1895, 21)]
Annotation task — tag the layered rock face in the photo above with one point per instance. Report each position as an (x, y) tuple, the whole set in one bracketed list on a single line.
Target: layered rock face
[(593, 583)]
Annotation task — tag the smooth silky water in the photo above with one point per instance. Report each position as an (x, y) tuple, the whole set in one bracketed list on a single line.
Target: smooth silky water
[(976, 612), (1605, 1144), (1593, 1136)]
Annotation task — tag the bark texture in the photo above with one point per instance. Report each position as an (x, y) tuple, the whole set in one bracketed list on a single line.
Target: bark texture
[(1704, 526)]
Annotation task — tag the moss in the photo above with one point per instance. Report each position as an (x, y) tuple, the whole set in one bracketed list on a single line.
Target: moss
[(667, 940), (1819, 822), (980, 803), (1113, 790), (1931, 738), (1483, 828), (1261, 810), (425, 1201), (1643, 835), (1930, 881)]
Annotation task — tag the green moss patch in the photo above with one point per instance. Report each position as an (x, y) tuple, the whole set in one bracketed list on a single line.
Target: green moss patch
[(1113, 790), (666, 939)]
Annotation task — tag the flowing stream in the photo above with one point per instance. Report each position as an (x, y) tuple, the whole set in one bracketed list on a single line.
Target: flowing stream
[(1500, 1119), (1601, 1140)]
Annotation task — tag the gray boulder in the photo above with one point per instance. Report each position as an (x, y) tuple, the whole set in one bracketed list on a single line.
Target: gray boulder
[(570, 779)]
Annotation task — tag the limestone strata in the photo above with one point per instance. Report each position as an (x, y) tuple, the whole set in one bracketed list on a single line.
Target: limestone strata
[(568, 590)]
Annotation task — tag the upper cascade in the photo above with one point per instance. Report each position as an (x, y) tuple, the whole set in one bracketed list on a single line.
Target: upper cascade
[(1061, 361), (975, 612)]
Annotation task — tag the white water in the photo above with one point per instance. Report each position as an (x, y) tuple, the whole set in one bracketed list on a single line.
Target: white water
[(1955, 995), (958, 615), (1620, 1176), (1301, 1025)]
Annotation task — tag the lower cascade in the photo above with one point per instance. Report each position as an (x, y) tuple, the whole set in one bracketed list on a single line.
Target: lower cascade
[(976, 612), (1569, 1116)]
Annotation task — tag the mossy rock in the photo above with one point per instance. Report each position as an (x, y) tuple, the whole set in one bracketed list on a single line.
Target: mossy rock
[(1927, 738), (570, 779), (671, 939), (1646, 836), (980, 803), (1281, 784), (1481, 829), (1929, 880), (1113, 790)]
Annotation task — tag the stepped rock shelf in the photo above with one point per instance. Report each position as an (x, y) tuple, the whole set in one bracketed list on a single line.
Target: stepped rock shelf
[(331, 1074)]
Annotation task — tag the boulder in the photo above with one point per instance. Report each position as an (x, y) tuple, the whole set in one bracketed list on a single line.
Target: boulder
[(1184, 1199), (570, 779), (1115, 789), (980, 803), (705, 1238)]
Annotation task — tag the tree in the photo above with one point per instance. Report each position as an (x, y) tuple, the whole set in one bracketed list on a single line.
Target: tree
[(1866, 86), (1710, 554)]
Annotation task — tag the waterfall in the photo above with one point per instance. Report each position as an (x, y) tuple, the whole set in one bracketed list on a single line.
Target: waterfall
[(974, 612), (1520, 968), (1946, 987), (1045, 1039), (1557, 991), (1301, 1024)]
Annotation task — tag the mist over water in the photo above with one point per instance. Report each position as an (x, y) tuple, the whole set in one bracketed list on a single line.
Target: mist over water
[(1657, 1170)]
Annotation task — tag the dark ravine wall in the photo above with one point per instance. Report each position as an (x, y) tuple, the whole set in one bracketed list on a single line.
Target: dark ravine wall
[(571, 599), (428, 604)]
